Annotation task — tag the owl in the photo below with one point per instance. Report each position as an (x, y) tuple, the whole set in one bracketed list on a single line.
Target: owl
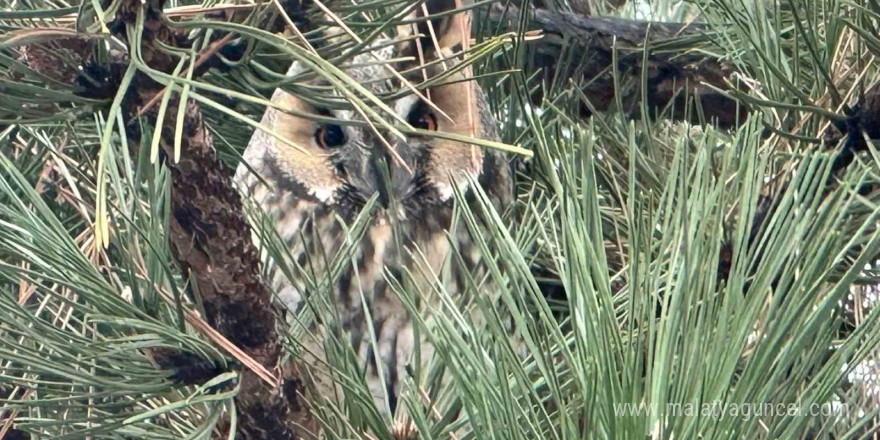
[(310, 192)]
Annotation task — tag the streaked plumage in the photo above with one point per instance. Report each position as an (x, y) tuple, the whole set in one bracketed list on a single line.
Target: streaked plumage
[(305, 193)]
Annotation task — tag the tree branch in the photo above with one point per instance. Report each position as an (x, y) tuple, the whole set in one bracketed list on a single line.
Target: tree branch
[(671, 78), (211, 241)]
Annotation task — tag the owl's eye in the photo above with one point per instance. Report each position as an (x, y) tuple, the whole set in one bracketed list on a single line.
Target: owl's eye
[(422, 119), (330, 136)]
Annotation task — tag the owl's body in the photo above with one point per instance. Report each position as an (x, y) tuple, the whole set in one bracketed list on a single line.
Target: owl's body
[(309, 196)]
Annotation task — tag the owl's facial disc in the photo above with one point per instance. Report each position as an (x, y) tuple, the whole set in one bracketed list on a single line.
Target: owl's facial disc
[(417, 168), (378, 163), (348, 161)]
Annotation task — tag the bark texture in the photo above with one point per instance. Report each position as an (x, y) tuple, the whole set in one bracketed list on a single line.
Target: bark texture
[(673, 77), (211, 240)]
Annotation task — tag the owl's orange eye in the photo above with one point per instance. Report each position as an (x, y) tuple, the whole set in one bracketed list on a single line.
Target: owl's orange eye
[(330, 136), (424, 120)]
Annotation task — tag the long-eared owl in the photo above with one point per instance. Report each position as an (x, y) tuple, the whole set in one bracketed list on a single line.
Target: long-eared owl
[(308, 194)]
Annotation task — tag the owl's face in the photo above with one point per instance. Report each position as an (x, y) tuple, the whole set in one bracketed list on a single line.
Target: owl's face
[(347, 160)]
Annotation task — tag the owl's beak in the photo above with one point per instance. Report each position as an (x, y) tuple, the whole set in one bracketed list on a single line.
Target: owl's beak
[(382, 168)]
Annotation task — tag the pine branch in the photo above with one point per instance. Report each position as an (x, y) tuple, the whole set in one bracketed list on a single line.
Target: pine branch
[(672, 76), (211, 238), (212, 241)]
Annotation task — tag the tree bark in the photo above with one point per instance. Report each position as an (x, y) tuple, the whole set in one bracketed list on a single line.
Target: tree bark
[(211, 241), (673, 80)]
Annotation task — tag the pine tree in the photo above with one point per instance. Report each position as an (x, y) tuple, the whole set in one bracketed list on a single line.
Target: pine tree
[(689, 254)]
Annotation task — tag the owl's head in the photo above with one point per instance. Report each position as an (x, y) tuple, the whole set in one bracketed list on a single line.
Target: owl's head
[(344, 158)]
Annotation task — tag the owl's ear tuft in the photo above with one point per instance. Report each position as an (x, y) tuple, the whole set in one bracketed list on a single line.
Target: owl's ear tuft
[(442, 31)]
